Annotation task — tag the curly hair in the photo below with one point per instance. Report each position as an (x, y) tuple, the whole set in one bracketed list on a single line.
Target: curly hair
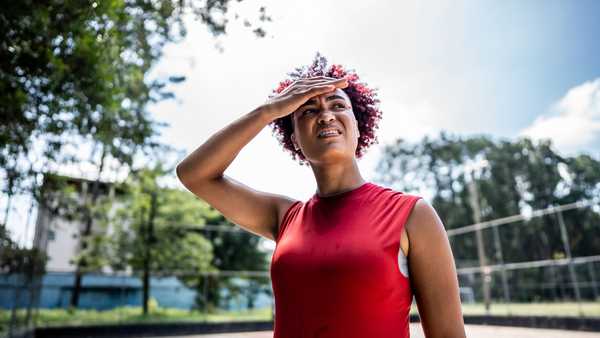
[(365, 105)]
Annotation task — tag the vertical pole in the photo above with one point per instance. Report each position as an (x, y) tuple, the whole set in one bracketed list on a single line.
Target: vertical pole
[(205, 286), (7, 211), (567, 247), (474, 194), (500, 258), (12, 327), (29, 213), (593, 283), (272, 306), (36, 298), (145, 266), (148, 257), (124, 301), (561, 286), (31, 294), (35, 276)]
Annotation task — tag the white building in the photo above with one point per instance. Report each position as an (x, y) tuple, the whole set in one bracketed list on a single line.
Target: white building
[(59, 237)]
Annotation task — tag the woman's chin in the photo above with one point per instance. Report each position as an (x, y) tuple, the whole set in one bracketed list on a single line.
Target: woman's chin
[(332, 155)]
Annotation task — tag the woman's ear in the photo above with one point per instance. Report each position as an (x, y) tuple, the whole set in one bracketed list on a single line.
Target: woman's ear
[(293, 137)]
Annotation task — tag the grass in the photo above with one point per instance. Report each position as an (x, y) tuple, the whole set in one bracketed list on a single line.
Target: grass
[(131, 315), (589, 309), (48, 317), (572, 309)]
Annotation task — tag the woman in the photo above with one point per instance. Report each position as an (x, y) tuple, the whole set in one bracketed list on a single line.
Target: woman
[(337, 269)]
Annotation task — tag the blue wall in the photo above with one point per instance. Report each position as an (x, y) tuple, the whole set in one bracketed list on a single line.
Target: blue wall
[(100, 292)]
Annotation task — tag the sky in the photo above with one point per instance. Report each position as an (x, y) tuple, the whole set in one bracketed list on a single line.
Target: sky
[(505, 69)]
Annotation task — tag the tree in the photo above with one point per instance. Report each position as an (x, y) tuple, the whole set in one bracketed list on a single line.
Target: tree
[(25, 265), (520, 175), (74, 75), (71, 70), (233, 251), (179, 244), (148, 236), (14, 259)]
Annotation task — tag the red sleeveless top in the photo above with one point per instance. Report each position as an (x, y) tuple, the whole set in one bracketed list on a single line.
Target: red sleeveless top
[(335, 272)]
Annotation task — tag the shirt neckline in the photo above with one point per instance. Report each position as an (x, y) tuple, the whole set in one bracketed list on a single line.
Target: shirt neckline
[(341, 195)]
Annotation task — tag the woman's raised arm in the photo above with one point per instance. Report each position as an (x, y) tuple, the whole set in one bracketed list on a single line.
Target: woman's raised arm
[(202, 171)]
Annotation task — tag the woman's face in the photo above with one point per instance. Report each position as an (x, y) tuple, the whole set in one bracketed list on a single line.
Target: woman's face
[(325, 128)]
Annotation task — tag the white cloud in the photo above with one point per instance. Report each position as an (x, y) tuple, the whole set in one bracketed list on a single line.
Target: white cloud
[(573, 123), (220, 87)]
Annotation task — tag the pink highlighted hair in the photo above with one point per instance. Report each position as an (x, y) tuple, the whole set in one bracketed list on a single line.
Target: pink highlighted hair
[(365, 105)]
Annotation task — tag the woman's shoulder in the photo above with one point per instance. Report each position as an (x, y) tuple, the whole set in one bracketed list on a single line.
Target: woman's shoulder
[(424, 219), (287, 211), (378, 191)]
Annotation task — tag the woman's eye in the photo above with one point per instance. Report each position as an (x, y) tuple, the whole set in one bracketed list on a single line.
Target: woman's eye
[(308, 111), (339, 106)]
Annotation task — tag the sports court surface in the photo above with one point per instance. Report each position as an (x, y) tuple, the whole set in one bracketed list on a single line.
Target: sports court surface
[(473, 331)]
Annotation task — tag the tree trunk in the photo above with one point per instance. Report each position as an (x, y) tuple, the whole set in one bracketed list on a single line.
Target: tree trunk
[(7, 211), (81, 264), (148, 256)]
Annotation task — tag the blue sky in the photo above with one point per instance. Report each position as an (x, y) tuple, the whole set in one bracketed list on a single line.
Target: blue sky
[(531, 53), (502, 68), (499, 68)]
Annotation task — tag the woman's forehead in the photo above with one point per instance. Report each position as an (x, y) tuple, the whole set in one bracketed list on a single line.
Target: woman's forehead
[(338, 93)]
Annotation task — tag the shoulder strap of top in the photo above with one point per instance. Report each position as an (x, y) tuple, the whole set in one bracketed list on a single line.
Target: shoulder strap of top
[(407, 204), (289, 214)]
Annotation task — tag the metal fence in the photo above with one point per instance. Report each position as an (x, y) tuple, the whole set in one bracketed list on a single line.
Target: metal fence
[(549, 281), (117, 298), (555, 286)]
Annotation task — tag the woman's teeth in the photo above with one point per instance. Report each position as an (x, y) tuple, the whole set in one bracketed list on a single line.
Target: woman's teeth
[(326, 133)]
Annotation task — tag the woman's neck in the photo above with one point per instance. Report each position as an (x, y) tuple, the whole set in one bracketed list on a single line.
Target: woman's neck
[(337, 178)]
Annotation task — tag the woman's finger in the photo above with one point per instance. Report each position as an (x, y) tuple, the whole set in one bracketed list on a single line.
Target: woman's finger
[(338, 83), (317, 80), (314, 88), (308, 92), (318, 90)]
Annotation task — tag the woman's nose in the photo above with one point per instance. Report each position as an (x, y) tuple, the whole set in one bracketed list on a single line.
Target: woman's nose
[(325, 117)]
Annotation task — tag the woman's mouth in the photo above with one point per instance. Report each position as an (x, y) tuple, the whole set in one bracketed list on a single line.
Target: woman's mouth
[(329, 132)]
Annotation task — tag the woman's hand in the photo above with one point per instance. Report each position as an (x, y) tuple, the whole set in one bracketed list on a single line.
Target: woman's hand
[(296, 94)]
